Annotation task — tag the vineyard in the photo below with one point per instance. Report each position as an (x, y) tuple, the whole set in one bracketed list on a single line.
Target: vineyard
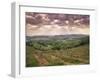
[(53, 51)]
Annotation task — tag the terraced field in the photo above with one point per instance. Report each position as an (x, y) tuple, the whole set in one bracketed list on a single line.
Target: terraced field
[(57, 52)]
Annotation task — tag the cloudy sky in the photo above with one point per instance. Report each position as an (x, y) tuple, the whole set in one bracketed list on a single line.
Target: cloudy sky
[(38, 24)]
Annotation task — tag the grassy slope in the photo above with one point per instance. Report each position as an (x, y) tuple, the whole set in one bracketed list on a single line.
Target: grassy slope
[(76, 55)]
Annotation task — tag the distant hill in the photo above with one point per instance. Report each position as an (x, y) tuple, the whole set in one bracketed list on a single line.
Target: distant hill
[(56, 37)]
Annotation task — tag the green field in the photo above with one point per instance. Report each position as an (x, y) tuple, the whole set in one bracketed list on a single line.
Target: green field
[(57, 52)]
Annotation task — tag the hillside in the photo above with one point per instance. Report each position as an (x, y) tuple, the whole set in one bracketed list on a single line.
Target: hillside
[(56, 37)]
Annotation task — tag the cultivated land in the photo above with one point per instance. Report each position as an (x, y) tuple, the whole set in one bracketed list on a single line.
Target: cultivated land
[(57, 50)]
